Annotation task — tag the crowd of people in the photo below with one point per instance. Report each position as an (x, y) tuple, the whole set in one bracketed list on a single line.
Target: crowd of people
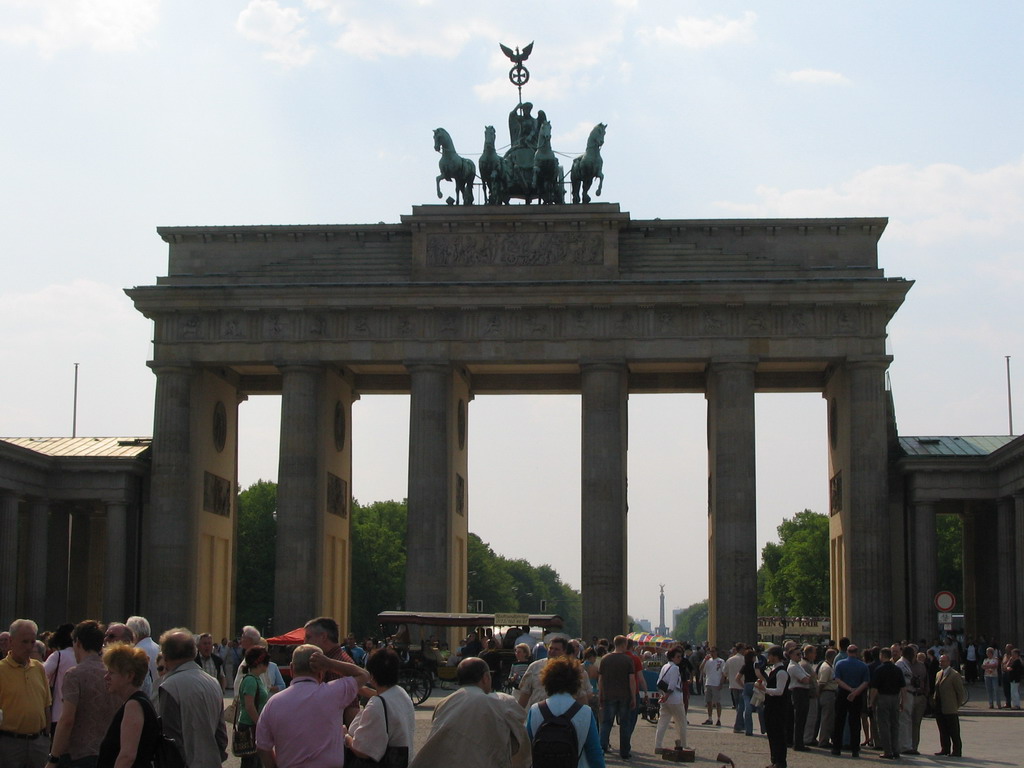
[(90, 695)]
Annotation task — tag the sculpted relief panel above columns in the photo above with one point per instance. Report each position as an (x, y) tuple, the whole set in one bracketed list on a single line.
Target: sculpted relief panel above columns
[(520, 323), (524, 249)]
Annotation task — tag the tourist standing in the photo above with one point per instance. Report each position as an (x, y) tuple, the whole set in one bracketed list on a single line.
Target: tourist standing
[(777, 705), (949, 696)]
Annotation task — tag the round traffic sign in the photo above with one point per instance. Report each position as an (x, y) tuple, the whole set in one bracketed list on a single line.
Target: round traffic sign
[(945, 601)]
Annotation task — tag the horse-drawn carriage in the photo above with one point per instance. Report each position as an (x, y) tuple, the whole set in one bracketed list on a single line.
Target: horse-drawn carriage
[(424, 666)]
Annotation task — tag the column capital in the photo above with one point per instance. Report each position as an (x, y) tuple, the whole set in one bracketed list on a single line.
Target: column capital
[(164, 369), (732, 363), (610, 363), (427, 365), (300, 366), (858, 362)]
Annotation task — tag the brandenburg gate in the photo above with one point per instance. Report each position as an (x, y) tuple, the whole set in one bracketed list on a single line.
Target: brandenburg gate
[(459, 300)]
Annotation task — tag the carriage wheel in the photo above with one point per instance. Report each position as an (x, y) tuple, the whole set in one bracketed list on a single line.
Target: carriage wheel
[(417, 684)]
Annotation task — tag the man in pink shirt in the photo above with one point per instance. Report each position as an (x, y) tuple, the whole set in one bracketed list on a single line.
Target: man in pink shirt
[(301, 727)]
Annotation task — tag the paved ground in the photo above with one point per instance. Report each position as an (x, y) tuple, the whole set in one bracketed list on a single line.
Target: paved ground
[(991, 738)]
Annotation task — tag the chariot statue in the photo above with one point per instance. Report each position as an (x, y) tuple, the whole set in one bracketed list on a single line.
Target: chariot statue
[(529, 170)]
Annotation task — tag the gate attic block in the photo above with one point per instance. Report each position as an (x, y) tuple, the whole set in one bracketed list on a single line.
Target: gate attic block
[(451, 302)]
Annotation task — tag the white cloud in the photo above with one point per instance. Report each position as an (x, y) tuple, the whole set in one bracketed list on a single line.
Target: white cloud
[(279, 28), (817, 77), (373, 39), (691, 32), (109, 26), (926, 205)]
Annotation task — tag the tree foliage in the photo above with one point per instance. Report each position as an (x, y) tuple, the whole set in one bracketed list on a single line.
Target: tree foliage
[(794, 579), (377, 538), (949, 532), (257, 541), (378, 558), (691, 625)]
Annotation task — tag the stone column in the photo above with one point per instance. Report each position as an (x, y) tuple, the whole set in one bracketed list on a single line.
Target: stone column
[(8, 558), (294, 589), (732, 502), (57, 567), (603, 501), (926, 579), (426, 588), (1018, 563), (82, 565), (867, 540), (1008, 603), (169, 539), (35, 586), (115, 573)]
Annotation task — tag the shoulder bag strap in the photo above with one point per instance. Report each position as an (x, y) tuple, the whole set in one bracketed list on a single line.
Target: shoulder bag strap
[(387, 728)]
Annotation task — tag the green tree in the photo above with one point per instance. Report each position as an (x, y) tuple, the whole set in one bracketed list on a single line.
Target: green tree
[(691, 623), (793, 579), (949, 533), (378, 562), (257, 542)]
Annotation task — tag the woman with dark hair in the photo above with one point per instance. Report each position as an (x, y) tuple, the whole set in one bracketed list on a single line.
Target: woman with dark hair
[(388, 721), (57, 664), (134, 732), (671, 683), (88, 707), (252, 696), (561, 680)]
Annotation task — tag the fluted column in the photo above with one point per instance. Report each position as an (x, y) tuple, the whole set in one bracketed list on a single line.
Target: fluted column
[(8, 558), (294, 592), (732, 524), (35, 567), (115, 574), (57, 567), (1007, 605), (603, 502), (169, 538), (429, 488), (926, 577), (1018, 565)]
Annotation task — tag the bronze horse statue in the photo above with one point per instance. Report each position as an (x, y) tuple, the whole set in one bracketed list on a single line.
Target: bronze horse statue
[(588, 166), (547, 173), (454, 168), (492, 170)]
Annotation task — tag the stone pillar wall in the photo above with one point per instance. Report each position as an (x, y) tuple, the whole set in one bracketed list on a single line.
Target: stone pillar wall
[(8, 558), (116, 562), (1017, 630), (295, 593), (605, 437), (57, 567), (436, 565), (168, 538), (38, 533), (732, 502), (868, 567), (971, 576), (925, 564)]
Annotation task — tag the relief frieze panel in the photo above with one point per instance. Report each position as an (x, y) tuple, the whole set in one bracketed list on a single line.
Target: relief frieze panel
[(515, 249), (522, 323)]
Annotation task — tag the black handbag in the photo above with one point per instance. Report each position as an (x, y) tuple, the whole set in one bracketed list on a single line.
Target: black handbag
[(243, 737), (394, 757)]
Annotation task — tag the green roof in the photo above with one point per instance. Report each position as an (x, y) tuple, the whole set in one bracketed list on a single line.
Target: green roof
[(953, 446)]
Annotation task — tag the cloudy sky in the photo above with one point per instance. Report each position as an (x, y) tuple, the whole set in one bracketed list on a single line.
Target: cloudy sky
[(123, 115)]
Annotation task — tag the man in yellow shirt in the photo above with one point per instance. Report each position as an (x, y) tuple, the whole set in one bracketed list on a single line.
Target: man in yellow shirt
[(25, 701)]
